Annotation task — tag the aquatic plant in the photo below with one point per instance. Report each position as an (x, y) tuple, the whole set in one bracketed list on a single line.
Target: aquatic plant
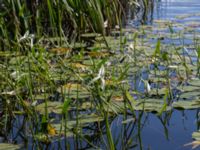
[(60, 83)]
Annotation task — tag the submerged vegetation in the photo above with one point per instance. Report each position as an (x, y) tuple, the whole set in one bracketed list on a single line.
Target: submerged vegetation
[(69, 72)]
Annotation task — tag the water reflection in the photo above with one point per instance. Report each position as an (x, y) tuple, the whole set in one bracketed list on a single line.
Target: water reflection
[(148, 131)]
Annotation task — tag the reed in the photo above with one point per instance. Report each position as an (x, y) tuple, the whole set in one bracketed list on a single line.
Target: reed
[(45, 66)]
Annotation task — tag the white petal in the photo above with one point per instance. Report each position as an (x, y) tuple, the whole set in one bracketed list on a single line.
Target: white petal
[(131, 46), (106, 24)]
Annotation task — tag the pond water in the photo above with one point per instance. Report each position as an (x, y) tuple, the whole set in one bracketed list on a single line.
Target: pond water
[(141, 130), (171, 9), (178, 129)]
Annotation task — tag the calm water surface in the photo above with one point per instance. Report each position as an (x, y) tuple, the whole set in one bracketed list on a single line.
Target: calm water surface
[(174, 129), (181, 124)]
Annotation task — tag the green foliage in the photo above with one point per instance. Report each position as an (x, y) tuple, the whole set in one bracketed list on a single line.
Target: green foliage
[(57, 18)]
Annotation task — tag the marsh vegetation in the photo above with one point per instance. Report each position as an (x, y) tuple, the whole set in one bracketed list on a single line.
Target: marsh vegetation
[(91, 74)]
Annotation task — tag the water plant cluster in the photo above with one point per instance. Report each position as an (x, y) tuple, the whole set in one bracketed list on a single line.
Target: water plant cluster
[(69, 73)]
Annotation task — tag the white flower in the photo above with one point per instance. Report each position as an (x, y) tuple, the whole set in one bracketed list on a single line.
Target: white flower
[(28, 36), (105, 24), (100, 76), (148, 87), (131, 46), (25, 36), (117, 27)]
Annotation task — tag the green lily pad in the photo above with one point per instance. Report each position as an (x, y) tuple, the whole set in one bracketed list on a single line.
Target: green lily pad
[(80, 66), (78, 45), (190, 95), (55, 107), (74, 90), (90, 35), (188, 88), (195, 82), (150, 105), (7, 146), (61, 50), (196, 135), (192, 104), (83, 121)]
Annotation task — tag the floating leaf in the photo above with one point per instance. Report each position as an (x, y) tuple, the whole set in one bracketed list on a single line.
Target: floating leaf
[(79, 66), (118, 98), (151, 105), (195, 82), (192, 104), (7, 146), (196, 135), (90, 35), (55, 107), (61, 50), (85, 106), (98, 54), (188, 88), (190, 95), (69, 87), (74, 90), (148, 105), (77, 45), (83, 120)]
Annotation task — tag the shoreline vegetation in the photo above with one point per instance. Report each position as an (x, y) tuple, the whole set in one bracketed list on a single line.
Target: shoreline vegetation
[(69, 68)]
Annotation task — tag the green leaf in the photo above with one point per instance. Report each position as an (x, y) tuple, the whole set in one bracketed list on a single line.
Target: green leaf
[(165, 102), (66, 106), (196, 135), (55, 107), (157, 50), (192, 104), (7, 146), (130, 97)]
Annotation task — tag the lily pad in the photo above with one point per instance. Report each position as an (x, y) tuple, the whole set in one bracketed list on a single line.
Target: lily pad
[(61, 50), (83, 121), (101, 54), (7, 146), (192, 104), (196, 135), (74, 91), (195, 82), (150, 105), (188, 88), (190, 95), (90, 35), (80, 66), (55, 107)]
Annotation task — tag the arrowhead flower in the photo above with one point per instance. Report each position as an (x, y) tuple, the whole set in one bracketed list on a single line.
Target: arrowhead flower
[(100, 76)]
